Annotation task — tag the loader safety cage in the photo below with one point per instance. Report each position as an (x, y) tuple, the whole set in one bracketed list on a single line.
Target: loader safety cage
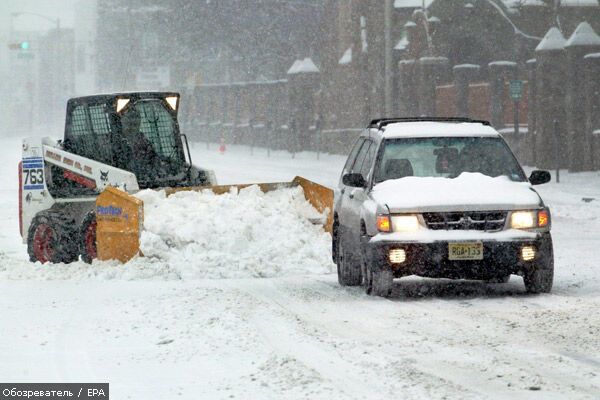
[(92, 121), (100, 128)]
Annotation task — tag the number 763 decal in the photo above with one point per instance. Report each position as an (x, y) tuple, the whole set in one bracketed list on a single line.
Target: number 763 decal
[(33, 178)]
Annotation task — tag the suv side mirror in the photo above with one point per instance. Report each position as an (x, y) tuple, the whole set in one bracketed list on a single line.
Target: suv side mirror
[(354, 180), (539, 177)]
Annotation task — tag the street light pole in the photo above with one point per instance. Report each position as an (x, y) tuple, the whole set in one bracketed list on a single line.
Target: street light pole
[(53, 20), (388, 67)]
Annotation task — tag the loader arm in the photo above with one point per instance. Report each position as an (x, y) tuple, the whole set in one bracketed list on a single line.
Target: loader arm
[(89, 173)]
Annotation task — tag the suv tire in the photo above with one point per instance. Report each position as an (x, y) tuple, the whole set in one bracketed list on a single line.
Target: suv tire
[(541, 277), (349, 271), (379, 283)]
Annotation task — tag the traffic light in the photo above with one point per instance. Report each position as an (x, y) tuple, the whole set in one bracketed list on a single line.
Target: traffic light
[(19, 46)]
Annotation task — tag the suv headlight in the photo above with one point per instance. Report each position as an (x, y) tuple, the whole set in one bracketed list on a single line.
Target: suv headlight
[(405, 223), (397, 223), (530, 219)]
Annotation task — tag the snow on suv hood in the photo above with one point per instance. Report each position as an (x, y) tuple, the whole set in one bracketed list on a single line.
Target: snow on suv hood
[(469, 191)]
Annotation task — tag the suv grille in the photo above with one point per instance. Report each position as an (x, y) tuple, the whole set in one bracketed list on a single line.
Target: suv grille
[(490, 221)]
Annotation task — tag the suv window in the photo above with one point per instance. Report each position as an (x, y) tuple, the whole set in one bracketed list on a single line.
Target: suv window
[(360, 159), (352, 156), (447, 157), (366, 166)]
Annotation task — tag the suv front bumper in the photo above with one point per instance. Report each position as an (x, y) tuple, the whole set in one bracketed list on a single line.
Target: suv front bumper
[(500, 257)]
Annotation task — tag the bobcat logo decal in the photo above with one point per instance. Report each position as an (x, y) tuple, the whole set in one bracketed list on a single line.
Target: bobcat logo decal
[(104, 176)]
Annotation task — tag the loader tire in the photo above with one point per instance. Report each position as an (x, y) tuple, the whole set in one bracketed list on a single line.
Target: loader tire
[(52, 238), (87, 238)]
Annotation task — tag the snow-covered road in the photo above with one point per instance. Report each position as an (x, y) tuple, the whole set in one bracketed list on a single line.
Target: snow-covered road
[(303, 336)]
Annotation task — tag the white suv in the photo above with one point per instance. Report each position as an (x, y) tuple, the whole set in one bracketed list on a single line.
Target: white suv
[(441, 198)]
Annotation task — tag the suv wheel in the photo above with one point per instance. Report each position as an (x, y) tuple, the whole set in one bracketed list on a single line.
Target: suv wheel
[(541, 277), (349, 273), (334, 240)]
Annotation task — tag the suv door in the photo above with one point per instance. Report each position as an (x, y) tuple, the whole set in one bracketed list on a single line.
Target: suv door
[(341, 196), (357, 196), (353, 197)]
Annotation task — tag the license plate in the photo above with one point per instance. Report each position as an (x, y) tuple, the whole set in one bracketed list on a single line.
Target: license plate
[(465, 251)]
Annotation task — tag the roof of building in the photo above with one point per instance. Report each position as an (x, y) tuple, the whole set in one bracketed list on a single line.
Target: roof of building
[(412, 3), (303, 66), (422, 129), (294, 68), (584, 35), (579, 3), (554, 40), (346, 57), (539, 3), (402, 44)]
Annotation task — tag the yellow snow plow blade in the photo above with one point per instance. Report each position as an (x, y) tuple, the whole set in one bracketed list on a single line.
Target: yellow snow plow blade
[(119, 221), (120, 216)]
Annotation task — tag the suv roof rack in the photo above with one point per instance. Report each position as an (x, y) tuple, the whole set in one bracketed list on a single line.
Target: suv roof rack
[(381, 122)]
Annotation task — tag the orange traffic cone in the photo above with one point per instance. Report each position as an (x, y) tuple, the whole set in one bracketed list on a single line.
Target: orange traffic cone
[(222, 147)]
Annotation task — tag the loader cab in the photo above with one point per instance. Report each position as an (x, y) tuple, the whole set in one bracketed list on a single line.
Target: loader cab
[(136, 132)]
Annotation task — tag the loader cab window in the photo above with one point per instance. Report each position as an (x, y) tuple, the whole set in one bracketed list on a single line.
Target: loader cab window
[(101, 130), (78, 140), (153, 151), (158, 126), (88, 133)]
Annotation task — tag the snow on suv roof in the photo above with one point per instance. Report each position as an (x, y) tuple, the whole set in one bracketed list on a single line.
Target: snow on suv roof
[(436, 129)]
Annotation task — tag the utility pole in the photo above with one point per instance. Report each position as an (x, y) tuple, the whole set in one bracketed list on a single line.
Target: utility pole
[(389, 68)]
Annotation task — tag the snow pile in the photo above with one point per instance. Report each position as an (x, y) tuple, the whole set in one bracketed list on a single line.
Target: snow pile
[(472, 190), (240, 234)]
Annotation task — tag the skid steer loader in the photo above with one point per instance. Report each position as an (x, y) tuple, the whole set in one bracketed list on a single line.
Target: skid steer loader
[(75, 195)]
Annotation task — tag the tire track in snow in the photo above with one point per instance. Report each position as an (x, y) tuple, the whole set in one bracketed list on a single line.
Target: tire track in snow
[(487, 350), (344, 362)]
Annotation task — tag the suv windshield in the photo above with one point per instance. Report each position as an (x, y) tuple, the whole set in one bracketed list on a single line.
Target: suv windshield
[(446, 157)]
